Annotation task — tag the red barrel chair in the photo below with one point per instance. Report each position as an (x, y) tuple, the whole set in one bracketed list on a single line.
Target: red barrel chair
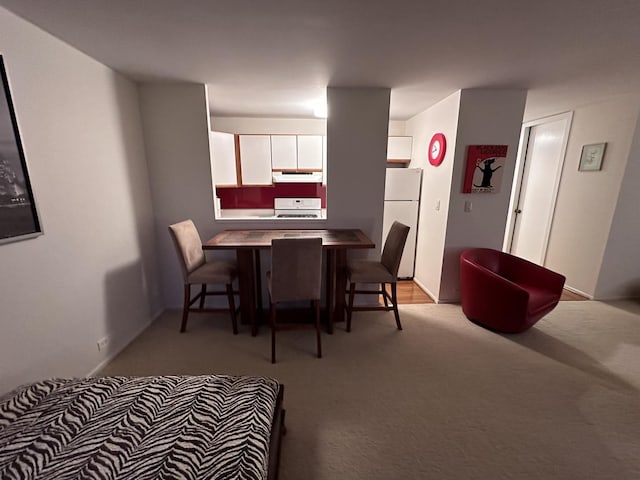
[(506, 293)]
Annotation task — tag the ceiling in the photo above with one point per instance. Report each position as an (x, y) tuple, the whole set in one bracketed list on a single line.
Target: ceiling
[(274, 58)]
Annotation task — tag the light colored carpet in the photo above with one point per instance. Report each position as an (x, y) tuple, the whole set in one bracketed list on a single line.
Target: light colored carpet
[(443, 399)]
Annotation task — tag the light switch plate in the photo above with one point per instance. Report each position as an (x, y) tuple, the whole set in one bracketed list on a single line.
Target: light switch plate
[(468, 206)]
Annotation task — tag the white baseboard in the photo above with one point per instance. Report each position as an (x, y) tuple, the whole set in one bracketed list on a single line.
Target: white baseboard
[(444, 301), (426, 290), (579, 292), (134, 334)]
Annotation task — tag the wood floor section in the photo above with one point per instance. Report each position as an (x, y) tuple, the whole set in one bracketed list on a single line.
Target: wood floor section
[(410, 293)]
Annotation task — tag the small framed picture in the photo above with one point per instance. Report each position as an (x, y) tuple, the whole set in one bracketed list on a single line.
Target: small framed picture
[(591, 158)]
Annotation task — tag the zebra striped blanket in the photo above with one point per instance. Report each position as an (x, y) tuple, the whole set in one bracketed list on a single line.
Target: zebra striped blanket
[(173, 427)]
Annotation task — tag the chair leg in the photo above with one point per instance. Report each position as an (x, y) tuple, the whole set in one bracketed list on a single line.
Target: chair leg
[(352, 288), (318, 333), (384, 294), (185, 308), (232, 307), (394, 299), (203, 294), (272, 317)]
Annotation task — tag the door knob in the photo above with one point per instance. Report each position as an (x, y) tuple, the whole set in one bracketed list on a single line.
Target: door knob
[(518, 211)]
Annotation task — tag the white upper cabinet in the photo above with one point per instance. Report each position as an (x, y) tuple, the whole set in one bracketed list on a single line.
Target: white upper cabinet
[(399, 148), (310, 152), (284, 152), (223, 159), (255, 159)]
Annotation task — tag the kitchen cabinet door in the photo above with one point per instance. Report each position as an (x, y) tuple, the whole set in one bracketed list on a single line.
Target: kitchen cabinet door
[(284, 152), (399, 148), (310, 152), (255, 159), (223, 159), (324, 159)]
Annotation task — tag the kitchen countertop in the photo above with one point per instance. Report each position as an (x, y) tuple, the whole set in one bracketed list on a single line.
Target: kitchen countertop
[(258, 214)]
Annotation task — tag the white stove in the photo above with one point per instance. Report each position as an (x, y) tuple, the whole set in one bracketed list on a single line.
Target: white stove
[(291, 207)]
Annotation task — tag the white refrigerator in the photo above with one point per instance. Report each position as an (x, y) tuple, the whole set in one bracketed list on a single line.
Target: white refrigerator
[(401, 203)]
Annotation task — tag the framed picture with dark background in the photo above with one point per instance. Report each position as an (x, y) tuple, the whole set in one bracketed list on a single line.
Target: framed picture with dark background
[(18, 213)]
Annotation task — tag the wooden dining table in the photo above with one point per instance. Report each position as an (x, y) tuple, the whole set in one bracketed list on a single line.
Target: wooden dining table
[(249, 243)]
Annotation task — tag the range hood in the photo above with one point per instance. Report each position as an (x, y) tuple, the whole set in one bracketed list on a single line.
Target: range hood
[(297, 177)]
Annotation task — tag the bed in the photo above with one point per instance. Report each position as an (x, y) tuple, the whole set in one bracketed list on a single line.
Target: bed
[(178, 427)]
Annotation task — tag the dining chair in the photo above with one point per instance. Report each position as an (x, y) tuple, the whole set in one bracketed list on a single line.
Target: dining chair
[(379, 272), (196, 270), (295, 275)]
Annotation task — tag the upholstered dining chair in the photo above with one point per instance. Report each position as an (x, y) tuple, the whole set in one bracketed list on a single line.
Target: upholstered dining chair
[(379, 272), (196, 270), (295, 275)]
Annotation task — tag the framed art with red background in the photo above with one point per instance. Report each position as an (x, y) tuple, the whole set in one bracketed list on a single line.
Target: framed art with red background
[(485, 165)]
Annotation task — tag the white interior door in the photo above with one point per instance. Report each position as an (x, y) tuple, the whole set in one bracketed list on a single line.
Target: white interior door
[(535, 202)]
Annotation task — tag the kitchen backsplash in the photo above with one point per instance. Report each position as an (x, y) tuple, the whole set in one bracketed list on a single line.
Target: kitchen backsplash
[(262, 197)]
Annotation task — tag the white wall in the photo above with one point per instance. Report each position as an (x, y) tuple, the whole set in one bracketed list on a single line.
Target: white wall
[(468, 117), (93, 272), (620, 270), (587, 200), (357, 131), (176, 133), (487, 117), (436, 187)]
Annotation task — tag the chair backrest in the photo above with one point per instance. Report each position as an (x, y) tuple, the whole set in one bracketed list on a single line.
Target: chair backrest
[(189, 246), (485, 257), (394, 246), (296, 269), (517, 270)]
